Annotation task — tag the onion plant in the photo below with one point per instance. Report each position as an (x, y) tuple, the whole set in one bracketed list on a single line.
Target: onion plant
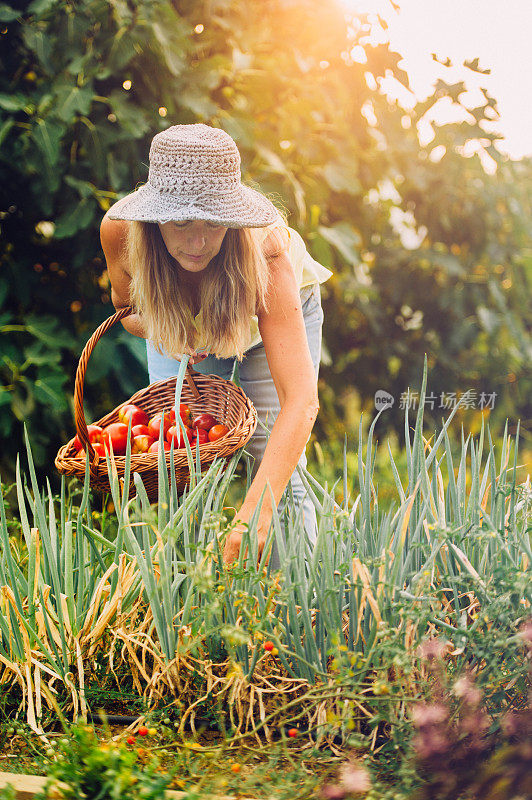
[(430, 551)]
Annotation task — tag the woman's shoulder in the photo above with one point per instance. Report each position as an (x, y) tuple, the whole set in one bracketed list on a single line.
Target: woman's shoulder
[(281, 240), (113, 232), (275, 238)]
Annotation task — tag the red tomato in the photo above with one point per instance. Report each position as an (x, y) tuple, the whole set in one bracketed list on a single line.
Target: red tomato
[(142, 731), (202, 436), (142, 443), (95, 435), (217, 431), (204, 421), (100, 448), (133, 413), (154, 448), (184, 412), (176, 434), (154, 425), (116, 434), (140, 430)]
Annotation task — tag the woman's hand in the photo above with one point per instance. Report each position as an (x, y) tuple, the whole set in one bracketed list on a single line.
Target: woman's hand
[(194, 357), (233, 542)]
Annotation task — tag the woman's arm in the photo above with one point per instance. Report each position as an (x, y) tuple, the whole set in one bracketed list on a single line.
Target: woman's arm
[(284, 337), (113, 236)]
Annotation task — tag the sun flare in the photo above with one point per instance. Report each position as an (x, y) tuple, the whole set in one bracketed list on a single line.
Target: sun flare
[(421, 29)]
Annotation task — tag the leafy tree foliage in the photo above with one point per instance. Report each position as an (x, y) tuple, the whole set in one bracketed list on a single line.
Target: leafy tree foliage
[(85, 85)]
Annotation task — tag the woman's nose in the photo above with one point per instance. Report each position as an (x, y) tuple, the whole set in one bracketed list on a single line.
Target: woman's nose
[(198, 232), (197, 240)]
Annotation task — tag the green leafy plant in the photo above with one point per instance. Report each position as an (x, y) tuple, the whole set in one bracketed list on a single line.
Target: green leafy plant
[(84, 767)]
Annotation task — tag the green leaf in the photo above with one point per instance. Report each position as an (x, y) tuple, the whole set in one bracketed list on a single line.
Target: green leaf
[(489, 319), (75, 219), (321, 251), (343, 177), (39, 354), (450, 263), (345, 239), (39, 7), (4, 288), (198, 102), (171, 35), (83, 188), (209, 73), (131, 117), (13, 102), (47, 330), (135, 345), (241, 129), (5, 128), (49, 388), (473, 65), (23, 402), (79, 63), (71, 100), (8, 14), (5, 398), (124, 48), (6, 420), (40, 44), (274, 161), (47, 136), (102, 361)]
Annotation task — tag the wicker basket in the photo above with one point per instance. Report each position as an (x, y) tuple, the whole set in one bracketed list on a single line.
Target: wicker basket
[(209, 393)]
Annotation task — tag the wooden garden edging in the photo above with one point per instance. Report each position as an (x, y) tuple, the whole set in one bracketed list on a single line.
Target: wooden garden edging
[(26, 786)]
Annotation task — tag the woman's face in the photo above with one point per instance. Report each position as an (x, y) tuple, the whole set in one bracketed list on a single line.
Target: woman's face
[(193, 244)]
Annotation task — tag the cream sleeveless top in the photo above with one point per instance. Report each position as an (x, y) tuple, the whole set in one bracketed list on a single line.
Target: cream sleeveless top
[(307, 272)]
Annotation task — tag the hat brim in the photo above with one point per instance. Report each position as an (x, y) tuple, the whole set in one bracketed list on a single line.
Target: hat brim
[(242, 208)]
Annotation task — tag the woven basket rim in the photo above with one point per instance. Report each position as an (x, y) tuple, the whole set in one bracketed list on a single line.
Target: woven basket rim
[(210, 449)]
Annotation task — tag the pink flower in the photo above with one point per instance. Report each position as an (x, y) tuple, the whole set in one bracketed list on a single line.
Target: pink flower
[(526, 631), (354, 778), (510, 723), (467, 691), (332, 792), (432, 648), (430, 744), (475, 724), (425, 714)]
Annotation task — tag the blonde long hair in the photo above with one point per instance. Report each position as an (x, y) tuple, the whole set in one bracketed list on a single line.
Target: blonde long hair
[(233, 287)]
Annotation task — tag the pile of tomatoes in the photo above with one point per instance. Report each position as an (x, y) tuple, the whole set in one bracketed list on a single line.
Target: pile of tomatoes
[(145, 431)]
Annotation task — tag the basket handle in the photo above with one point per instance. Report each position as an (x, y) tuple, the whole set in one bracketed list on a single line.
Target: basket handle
[(79, 415)]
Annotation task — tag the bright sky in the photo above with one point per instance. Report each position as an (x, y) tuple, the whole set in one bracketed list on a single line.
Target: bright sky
[(496, 32)]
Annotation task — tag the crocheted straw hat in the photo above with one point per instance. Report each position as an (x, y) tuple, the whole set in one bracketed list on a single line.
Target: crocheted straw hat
[(195, 175)]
